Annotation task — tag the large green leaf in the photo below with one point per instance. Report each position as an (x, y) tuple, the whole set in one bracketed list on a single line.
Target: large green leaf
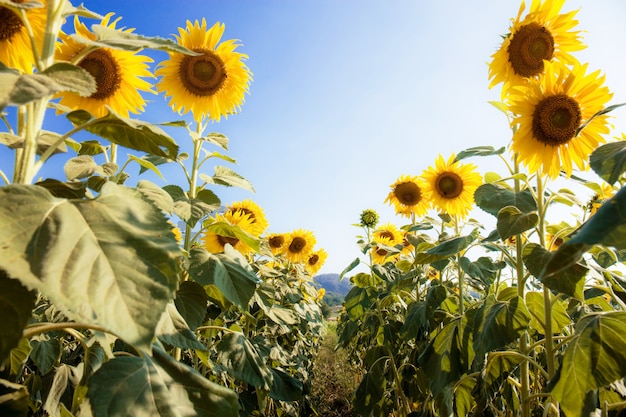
[(483, 269), (370, 394), (609, 161), (535, 302), (594, 358), (174, 331), (501, 322), (243, 362), (606, 227), (494, 197), (446, 249), (46, 351), (420, 313), (202, 205), (191, 301), (130, 133), (112, 261), (128, 41), (16, 305), (285, 387), (357, 302), (228, 271), (511, 221), (568, 280), (158, 386)]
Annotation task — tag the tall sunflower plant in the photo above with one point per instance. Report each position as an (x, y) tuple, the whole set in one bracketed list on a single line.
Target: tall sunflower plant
[(522, 313), (144, 299)]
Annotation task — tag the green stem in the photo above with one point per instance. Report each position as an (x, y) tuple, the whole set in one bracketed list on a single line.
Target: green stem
[(460, 272), (39, 328)]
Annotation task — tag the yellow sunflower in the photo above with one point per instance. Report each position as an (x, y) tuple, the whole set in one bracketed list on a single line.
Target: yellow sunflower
[(277, 243), (299, 245), (543, 35), (407, 196), (215, 243), (386, 235), (15, 44), (117, 73), (605, 191), (551, 111), (211, 84), (451, 185), (315, 261), (257, 216)]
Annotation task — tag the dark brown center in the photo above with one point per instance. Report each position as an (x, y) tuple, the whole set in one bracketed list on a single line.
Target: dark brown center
[(227, 239), (408, 193), (556, 120), (528, 48), (10, 24), (202, 75), (297, 245), (449, 185), (104, 68), (313, 259), (276, 242)]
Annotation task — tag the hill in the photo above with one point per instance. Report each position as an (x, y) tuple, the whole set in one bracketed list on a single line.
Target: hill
[(331, 283)]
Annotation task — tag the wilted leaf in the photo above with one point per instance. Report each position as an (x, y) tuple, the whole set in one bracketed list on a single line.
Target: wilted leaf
[(157, 387), (130, 133), (595, 358), (74, 251), (494, 197), (511, 222)]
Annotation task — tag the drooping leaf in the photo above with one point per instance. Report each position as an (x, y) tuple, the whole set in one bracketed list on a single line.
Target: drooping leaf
[(19, 355), (228, 271), (609, 161), (536, 307), (13, 399), (144, 163), (494, 197), (129, 41), (446, 249), (91, 147), (595, 358), (69, 77), (370, 394), (130, 133), (498, 365), (60, 189), (16, 305), (242, 361), (568, 280), (218, 139), (174, 331), (479, 151), (74, 251), (191, 301), (420, 313), (285, 387), (157, 387), (607, 227), (64, 376), (511, 221), (483, 269)]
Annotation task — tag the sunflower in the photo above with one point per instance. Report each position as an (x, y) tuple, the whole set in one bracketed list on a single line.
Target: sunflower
[(299, 245), (15, 44), (407, 196), (315, 261), (369, 218), (387, 235), (551, 112), (605, 192), (451, 185), (215, 243), (257, 217), (543, 35), (117, 73), (211, 84), (277, 243)]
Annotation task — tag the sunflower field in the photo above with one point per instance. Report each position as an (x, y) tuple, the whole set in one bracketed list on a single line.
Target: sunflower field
[(127, 298)]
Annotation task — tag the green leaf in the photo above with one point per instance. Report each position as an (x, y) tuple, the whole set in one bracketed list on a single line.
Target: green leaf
[(494, 197), (536, 307), (227, 177), (82, 166), (16, 305), (357, 302), (128, 41), (285, 387), (228, 230), (242, 361), (217, 139), (478, 151), (130, 133), (91, 147), (74, 251), (498, 365), (63, 376), (146, 164), (511, 221), (568, 280), (595, 358), (228, 271), (349, 268), (71, 78), (446, 249), (19, 356), (25, 5), (501, 323), (191, 301), (205, 203), (174, 331), (420, 313), (64, 189), (609, 161), (599, 113), (370, 394), (158, 386), (483, 269), (14, 399), (45, 352), (159, 197)]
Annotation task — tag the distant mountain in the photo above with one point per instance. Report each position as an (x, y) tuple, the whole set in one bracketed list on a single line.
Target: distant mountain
[(331, 283)]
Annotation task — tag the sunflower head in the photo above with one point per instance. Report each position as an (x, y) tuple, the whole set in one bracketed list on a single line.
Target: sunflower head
[(15, 43), (210, 84), (451, 185), (369, 218), (407, 196), (277, 243), (215, 242), (299, 245), (550, 115), (545, 34), (315, 261), (252, 210), (386, 235), (118, 74)]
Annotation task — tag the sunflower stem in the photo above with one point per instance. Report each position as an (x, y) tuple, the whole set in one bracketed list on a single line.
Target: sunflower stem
[(459, 269)]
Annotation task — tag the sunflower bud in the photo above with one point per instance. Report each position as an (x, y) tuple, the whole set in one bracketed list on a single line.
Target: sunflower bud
[(369, 218)]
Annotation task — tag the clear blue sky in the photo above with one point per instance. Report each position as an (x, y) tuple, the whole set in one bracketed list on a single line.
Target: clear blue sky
[(350, 94)]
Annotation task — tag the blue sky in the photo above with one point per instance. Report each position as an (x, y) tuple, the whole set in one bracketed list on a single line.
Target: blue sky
[(350, 94)]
